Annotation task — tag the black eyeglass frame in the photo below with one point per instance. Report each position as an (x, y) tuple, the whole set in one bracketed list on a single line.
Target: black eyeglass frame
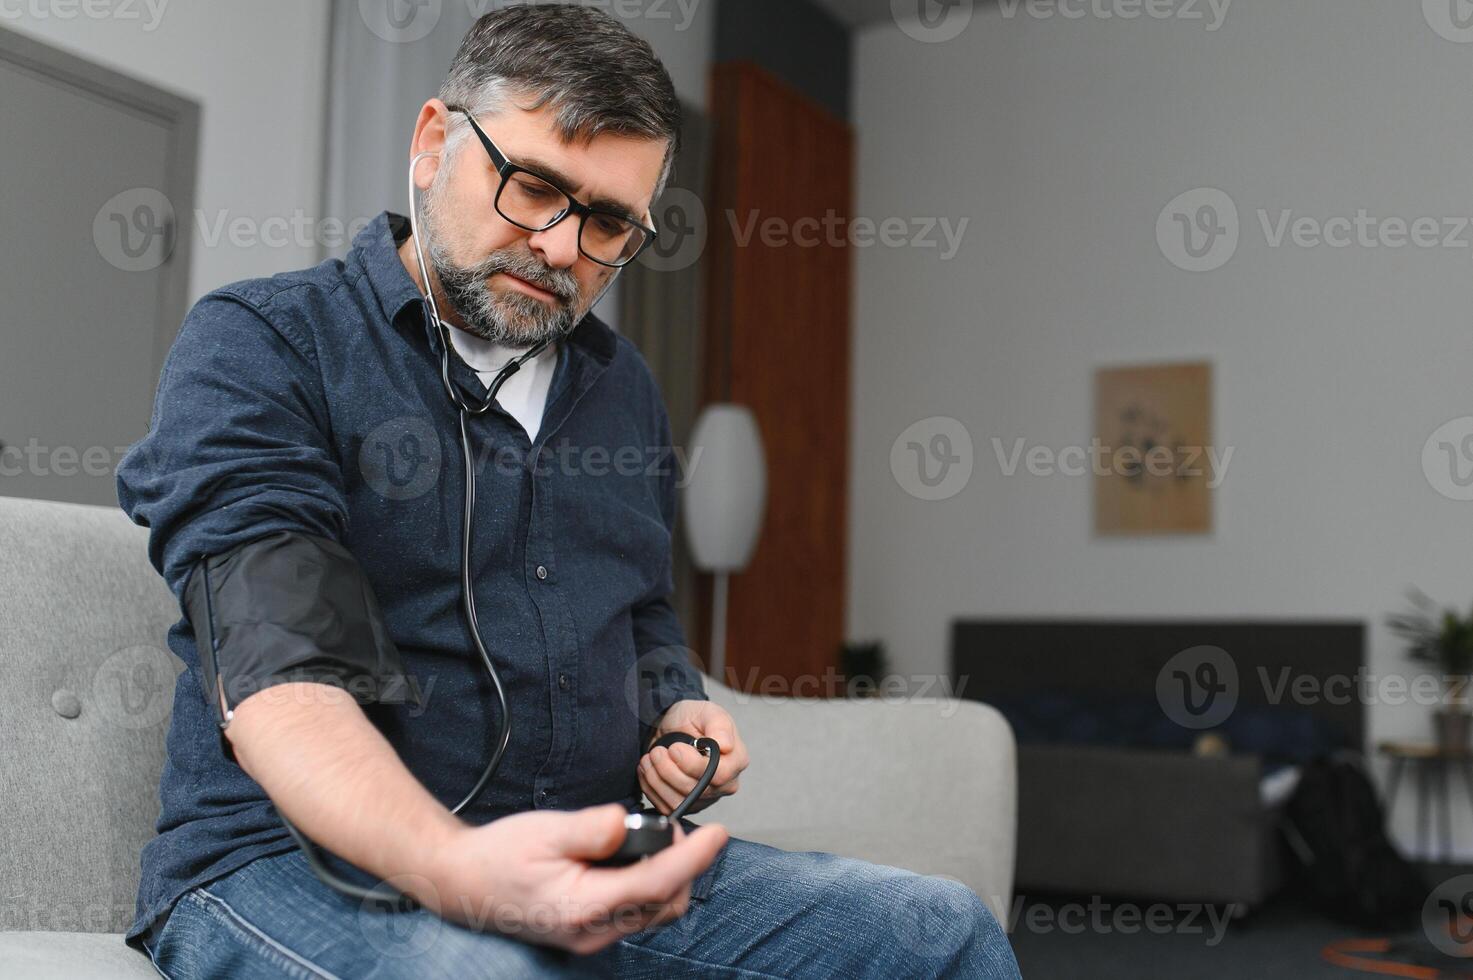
[(506, 169)]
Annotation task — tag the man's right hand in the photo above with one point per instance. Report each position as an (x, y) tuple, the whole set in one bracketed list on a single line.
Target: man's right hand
[(529, 875), (336, 777)]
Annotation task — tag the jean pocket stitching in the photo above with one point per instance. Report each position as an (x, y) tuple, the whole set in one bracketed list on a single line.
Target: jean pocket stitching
[(286, 957)]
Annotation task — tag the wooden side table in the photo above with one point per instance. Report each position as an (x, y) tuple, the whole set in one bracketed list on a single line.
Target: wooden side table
[(1431, 763)]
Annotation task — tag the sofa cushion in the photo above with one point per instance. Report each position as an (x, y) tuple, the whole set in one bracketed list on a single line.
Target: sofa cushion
[(86, 687), (72, 956)]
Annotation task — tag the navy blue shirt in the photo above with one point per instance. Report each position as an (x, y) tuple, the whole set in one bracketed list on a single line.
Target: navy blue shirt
[(311, 402)]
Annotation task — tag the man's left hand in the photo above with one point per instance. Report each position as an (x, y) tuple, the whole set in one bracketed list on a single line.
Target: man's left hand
[(667, 774)]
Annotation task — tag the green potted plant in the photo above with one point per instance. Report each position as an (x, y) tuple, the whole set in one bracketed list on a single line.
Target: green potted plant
[(1444, 639)]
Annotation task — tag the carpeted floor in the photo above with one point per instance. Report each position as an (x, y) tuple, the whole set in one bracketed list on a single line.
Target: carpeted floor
[(1062, 938)]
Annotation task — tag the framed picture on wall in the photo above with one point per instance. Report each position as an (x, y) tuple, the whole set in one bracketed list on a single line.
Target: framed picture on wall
[(1153, 424)]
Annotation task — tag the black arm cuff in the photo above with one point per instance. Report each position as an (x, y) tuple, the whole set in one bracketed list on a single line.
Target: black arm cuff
[(290, 607)]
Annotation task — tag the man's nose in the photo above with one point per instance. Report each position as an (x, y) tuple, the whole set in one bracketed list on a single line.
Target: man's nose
[(558, 245)]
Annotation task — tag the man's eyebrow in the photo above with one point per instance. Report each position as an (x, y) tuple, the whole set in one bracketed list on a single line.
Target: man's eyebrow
[(566, 183)]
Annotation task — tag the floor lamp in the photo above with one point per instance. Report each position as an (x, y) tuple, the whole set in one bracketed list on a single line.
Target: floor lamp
[(724, 497)]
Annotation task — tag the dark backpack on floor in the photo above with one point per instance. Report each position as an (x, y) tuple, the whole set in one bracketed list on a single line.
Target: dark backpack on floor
[(1347, 864)]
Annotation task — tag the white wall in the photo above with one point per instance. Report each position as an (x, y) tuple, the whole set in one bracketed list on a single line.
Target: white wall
[(1062, 141), (258, 70)]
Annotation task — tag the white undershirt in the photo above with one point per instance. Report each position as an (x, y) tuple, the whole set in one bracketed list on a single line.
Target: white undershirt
[(524, 394)]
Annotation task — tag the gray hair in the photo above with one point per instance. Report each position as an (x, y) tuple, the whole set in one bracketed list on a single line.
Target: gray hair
[(597, 76)]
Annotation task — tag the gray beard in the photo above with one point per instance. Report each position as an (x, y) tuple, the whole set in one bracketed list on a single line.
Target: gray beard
[(511, 319)]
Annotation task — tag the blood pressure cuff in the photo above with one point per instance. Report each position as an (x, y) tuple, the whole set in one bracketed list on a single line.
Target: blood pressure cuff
[(290, 607)]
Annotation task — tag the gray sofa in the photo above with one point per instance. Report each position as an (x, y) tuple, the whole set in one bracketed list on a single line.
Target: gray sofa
[(86, 685), (1153, 822)]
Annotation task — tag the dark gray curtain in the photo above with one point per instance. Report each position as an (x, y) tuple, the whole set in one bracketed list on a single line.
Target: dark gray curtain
[(662, 310)]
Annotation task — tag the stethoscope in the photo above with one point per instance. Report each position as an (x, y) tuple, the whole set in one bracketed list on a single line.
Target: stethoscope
[(645, 832)]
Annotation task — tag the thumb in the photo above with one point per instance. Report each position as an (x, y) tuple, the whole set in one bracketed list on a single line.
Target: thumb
[(717, 724), (593, 833)]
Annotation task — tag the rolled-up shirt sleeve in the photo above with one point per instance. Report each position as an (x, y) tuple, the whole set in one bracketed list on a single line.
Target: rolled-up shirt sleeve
[(236, 447), (237, 477), (666, 674)]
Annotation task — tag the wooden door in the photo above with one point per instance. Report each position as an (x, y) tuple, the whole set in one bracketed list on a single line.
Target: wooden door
[(778, 342)]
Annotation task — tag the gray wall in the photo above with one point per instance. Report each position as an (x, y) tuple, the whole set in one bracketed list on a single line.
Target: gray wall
[(258, 71), (1063, 141)]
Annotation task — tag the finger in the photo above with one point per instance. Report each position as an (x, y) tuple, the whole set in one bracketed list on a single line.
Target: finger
[(718, 724), (662, 796), (734, 762), (702, 802), (671, 772), (679, 864), (731, 766), (604, 926), (673, 909), (630, 919), (647, 782), (659, 879), (605, 931), (669, 796), (691, 760), (712, 794), (593, 833), (659, 913)]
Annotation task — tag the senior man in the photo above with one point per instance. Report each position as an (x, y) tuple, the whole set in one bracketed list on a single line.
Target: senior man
[(303, 482)]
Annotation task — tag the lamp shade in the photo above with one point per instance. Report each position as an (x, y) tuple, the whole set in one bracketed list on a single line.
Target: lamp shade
[(726, 488)]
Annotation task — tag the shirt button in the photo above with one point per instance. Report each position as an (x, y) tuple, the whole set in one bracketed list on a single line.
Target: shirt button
[(562, 682), (542, 572), (543, 796)]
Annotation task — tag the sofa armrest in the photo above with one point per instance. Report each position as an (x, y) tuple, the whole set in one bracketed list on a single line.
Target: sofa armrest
[(928, 785)]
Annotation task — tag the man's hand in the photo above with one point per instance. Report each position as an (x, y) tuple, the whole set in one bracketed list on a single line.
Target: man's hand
[(334, 775), (528, 875), (667, 775)]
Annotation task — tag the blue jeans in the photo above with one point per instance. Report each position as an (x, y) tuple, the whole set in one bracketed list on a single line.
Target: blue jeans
[(757, 912)]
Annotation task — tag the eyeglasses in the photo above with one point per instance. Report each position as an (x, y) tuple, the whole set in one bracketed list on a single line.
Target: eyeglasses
[(533, 203)]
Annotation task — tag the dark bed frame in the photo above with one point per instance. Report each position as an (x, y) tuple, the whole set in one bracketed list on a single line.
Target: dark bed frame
[(1144, 823)]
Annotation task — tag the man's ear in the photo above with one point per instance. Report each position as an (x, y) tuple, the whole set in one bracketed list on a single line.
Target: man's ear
[(424, 177), (431, 129)]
